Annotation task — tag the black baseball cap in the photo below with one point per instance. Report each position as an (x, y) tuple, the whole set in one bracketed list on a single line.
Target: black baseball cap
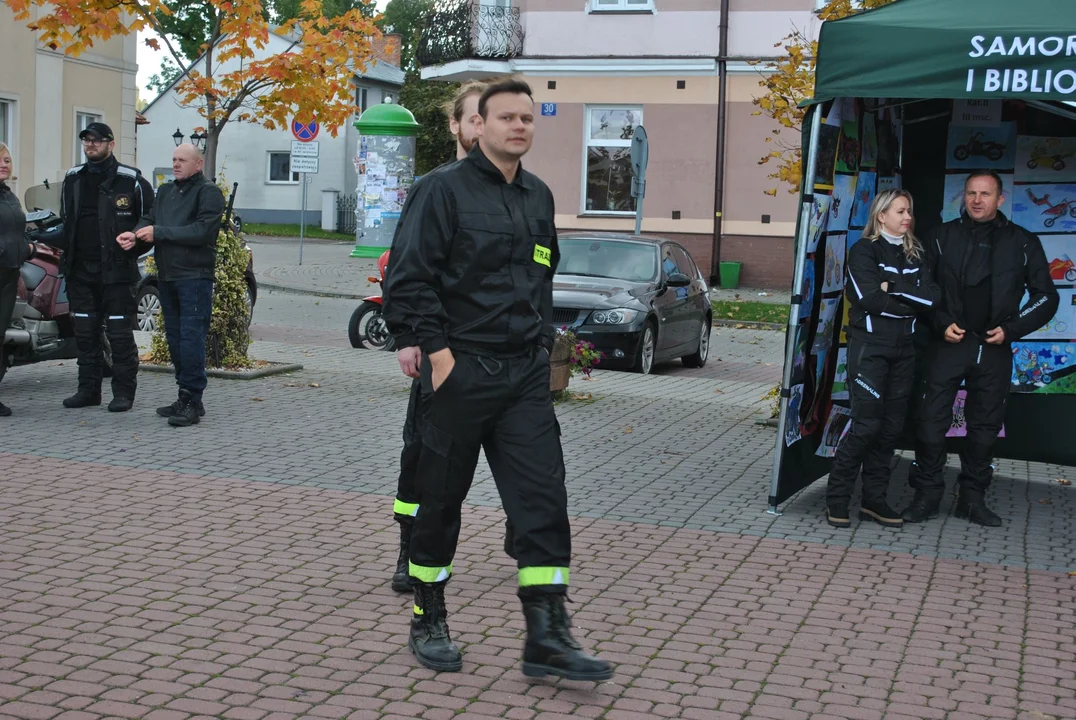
[(99, 129)]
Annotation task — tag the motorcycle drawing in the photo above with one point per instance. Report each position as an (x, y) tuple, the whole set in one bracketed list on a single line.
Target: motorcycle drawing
[(1042, 156), (1053, 211), (976, 146)]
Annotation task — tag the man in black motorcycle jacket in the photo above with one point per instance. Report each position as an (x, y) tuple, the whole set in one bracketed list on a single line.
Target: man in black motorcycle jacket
[(101, 199), (983, 263)]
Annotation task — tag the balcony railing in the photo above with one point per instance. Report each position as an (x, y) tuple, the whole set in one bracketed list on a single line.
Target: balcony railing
[(465, 29)]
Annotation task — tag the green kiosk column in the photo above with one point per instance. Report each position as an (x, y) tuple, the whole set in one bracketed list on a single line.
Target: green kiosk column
[(386, 166)]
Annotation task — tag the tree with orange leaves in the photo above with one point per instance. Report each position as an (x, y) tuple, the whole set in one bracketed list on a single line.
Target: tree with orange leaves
[(234, 79)]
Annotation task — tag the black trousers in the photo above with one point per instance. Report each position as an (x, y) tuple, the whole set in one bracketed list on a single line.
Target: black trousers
[(504, 406), (93, 303), (987, 373), (880, 381), (406, 503), (9, 290)]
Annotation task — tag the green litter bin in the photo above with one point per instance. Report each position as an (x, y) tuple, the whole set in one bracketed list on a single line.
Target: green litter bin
[(730, 274)]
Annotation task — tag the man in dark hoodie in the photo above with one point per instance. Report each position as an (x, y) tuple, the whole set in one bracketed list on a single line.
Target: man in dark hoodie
[(183, 226), (984, 263), (101, 199)]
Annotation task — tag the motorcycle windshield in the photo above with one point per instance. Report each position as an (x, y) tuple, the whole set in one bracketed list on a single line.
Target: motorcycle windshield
[(40, 197)]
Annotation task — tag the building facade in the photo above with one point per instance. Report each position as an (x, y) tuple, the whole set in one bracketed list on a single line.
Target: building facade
[(47, 98), (599, 68), (259, 159)]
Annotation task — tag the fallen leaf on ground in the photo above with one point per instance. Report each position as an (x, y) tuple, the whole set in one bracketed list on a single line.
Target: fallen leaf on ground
[(1072, 573), (582, 396), (257, 399), (1046, 501), (627, 429), (315, 385), (740, 326), (1063, 481), (718, 390)]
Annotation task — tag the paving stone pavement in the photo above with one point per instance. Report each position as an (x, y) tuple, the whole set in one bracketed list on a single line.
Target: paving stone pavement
[(238, 569)]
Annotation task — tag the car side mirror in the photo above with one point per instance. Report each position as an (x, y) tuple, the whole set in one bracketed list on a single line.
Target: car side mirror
[(677, 280)]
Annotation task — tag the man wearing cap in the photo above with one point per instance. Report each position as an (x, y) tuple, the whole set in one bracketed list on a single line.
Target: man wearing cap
[(101, 199)]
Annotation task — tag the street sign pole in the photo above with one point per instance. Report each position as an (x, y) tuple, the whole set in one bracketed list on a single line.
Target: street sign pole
[(640, 156), (302, 219), (303, 161)]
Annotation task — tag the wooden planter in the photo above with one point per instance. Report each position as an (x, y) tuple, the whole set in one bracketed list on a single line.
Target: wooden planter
[(559, 371)]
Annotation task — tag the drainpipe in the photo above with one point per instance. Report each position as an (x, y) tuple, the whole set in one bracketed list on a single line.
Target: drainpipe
[(719, 160)]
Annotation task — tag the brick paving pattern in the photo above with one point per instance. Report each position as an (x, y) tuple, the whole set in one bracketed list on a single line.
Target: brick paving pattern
[(238, 569)]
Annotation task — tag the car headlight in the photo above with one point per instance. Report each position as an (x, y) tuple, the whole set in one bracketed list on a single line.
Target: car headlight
[(619, 316)]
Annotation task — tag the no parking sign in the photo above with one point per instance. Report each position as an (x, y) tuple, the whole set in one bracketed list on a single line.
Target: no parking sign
[(304, 132)]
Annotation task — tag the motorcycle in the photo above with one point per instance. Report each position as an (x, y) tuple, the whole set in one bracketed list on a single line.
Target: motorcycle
[(41, 326), (367, 327), (992, 150)]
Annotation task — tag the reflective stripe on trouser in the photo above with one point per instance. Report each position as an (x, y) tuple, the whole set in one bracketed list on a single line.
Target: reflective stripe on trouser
[(502, 406), (430, 574), (399, 507), (531, 576)]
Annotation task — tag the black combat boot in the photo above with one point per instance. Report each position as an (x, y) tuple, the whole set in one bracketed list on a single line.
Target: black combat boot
[(880, 512), (923, 507), (509, 540), (187, 414), (167, 411), (550, 648), (837, 515), (429, 641), (5, 411), (401, 579), (971, 506), (83, 398), (121, 403)]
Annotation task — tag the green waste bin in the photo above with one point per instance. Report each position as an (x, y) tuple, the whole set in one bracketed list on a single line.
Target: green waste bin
[(730, 274)]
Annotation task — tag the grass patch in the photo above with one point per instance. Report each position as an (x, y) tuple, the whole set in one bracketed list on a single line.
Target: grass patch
[(277, 230), (750, 311)]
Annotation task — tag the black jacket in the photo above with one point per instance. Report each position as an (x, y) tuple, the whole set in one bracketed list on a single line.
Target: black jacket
[(473, 263), (125, 197), (14, 249), (886, 317), (1017, 263), (186, 220)]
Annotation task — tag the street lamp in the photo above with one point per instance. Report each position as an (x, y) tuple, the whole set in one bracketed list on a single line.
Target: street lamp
[(198, 139), (178, 137)]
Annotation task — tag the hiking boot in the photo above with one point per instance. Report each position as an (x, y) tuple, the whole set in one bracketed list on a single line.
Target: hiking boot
[(921, 509), (167, 411), (837, 516), (401, 579), (550, 648), (881, 513), (971, 506), (429, 641), (121, 404), (187, 414), (83, 398)]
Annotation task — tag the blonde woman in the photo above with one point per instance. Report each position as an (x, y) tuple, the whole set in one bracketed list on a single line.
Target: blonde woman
[(888, 287), (14, 250)]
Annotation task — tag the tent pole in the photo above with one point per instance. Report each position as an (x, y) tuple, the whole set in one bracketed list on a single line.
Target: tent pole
[(806, 207)]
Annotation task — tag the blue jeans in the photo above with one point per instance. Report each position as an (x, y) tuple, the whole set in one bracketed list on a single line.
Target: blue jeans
[(187, 306)]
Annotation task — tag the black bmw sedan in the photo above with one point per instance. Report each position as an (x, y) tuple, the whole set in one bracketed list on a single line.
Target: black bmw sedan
[(640, 300)]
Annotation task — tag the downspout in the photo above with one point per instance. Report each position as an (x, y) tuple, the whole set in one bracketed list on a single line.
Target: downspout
[(719, 159)]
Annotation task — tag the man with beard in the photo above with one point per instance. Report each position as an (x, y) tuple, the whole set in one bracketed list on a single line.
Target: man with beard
[(100, 200), (462, 111)]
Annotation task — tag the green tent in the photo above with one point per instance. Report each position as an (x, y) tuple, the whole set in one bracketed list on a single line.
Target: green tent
[(962, 49)]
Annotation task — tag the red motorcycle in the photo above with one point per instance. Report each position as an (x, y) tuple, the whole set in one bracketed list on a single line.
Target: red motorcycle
[(367, 327)]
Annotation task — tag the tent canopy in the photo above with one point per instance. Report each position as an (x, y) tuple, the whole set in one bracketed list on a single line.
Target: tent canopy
[(971, 49)]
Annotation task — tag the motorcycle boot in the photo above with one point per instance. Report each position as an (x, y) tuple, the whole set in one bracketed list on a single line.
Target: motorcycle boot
[(429, 640), (90, 360), (187, 414), (971, 506), (924, 506), (5, 411), (119, 329), (401, 579), (550, 648)]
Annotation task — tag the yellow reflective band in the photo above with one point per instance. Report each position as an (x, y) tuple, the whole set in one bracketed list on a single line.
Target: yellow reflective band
[(542, 256), (419, 611), (543, 576), (429, 574), (401, 508)]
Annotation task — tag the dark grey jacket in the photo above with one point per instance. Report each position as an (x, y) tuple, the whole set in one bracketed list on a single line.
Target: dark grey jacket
[(186, 219), (14, 250)]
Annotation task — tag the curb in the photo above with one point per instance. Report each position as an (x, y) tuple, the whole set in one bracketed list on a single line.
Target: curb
[(748, 324), (272, 369), (304, 291)]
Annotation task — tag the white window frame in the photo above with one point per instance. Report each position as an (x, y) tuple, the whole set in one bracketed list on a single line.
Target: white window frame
[(362, 99), (588, 111), (269, 169), (95, 115), (617, 6), (8, 106)]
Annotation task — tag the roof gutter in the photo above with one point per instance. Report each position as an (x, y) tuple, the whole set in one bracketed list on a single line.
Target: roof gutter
[(719, 159)]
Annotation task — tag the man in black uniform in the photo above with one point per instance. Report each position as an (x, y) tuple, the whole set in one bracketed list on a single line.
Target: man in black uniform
[(983, 263), (184, 226), (100, 200), (462, 112), (472, 282)]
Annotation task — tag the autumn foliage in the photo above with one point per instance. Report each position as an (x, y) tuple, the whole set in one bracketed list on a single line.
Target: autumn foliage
[(233, 80), (788, 81)]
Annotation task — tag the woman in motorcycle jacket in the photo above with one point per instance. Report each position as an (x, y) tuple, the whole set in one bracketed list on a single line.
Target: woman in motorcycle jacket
[(888, 287), (14, 250)]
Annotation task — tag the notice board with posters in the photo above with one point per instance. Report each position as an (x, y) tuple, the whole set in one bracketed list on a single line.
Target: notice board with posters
[(865, 146)]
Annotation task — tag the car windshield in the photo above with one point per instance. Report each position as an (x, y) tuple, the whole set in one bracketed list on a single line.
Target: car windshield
[(607, 258)]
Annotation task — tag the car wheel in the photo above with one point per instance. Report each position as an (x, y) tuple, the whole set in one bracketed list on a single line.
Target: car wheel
[(697, 359), (644, 357), (149, 304)]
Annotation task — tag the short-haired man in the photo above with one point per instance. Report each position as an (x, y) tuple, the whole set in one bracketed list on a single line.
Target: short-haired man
[(462, 112), (984, 263), (183, 226), (100, 199), (472, 282)]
